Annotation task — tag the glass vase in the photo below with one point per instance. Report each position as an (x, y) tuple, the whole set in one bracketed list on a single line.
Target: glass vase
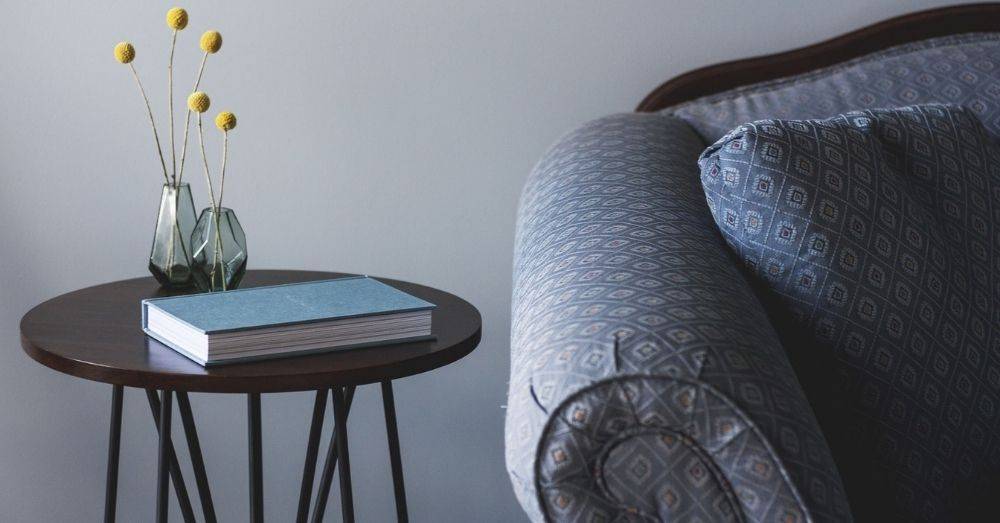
[(170, 258), (220, 250)]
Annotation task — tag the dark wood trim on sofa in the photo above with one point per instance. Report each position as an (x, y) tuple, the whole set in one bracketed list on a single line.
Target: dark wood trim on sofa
[(912, 27)]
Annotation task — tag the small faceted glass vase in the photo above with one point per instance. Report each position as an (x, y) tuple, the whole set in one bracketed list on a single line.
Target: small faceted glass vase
[(170, 259), (220, 250)]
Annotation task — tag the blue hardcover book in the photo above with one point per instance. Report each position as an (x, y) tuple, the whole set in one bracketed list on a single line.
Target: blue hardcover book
[(284, 320)]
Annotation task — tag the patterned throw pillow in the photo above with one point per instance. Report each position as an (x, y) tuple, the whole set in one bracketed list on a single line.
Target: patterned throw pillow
[(873, 237)]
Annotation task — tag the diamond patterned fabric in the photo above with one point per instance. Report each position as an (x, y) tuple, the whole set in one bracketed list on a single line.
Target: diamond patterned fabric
[(660, 449), (962, 69), (875, 231), (697, 413), (613, 239)]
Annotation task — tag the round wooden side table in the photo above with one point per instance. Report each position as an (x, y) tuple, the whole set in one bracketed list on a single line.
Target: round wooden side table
[(94, 334)]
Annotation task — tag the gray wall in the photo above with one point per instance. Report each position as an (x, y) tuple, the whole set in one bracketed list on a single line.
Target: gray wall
[(376, 137)]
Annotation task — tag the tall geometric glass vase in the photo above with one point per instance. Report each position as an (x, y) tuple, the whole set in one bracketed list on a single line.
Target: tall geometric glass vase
[(220, 250), (170, 259)]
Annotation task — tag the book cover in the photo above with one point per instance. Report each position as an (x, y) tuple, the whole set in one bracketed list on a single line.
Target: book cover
[(287, 304)]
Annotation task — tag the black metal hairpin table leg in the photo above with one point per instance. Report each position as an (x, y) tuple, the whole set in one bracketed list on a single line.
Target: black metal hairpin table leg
[(392, 434), (326, 478), (197, 460), (256, 467), (340, 417), (168, 468), (163, 463), (175, 471), (312, 450), (114, 444)]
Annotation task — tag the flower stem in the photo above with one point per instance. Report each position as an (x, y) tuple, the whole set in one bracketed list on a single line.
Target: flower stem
[(170, 106), (218, 217), (174, 228), (152, 123), (225, 155), (217, 258), (187, 119), (218, 250), (204, 160)]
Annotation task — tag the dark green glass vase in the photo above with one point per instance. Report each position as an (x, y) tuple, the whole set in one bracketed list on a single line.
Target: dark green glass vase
[(220, 250), (170, 259)]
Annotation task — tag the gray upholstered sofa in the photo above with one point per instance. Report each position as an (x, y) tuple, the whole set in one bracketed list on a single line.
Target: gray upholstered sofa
[(647, 380)]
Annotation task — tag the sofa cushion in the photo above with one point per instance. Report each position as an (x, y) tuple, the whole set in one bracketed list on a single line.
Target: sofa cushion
[(959, 69), (875, 234)]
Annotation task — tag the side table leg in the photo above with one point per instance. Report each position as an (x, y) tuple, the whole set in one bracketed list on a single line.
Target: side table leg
[(197, 460), (340, 416), (392, 433), (175, 470), (326, 478), (256, 467), (114, 444), (312, 449), (163, 462)]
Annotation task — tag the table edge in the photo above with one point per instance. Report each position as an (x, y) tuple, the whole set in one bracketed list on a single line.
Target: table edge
[(297, 382)]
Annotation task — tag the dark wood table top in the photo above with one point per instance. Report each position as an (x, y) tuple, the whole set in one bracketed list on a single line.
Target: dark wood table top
[(94, 334)]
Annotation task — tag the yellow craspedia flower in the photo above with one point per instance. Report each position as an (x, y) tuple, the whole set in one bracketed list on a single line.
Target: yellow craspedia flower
[(211, 42), (124, 52), (177, 18), (225, 121), (198, 102)]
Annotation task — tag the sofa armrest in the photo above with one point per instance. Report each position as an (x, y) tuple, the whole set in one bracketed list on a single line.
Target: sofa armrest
[(646, 379)]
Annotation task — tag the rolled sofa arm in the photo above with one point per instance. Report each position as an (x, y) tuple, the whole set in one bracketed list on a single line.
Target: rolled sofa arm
[(647, 382)]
